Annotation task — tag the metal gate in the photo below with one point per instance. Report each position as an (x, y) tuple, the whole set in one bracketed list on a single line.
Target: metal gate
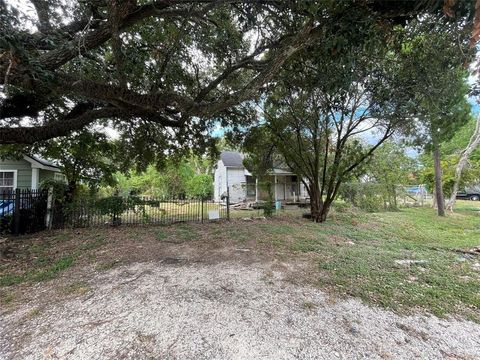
[(23, 211)]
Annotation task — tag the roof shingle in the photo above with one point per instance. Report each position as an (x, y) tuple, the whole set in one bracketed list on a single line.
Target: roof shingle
[(232, 159)]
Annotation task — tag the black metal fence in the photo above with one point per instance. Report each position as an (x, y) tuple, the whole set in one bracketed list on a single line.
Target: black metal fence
[(23, 211), (29, 210), (116, 210)]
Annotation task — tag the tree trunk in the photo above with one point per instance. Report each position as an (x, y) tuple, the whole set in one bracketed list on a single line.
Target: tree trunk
[(71, 190), (318, 208), (438, 181), (325, 209), (315, 202), (462, 162)]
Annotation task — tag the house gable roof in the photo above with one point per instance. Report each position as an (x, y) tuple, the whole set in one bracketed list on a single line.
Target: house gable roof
[(235, 159), (41, 163), (232, 159)]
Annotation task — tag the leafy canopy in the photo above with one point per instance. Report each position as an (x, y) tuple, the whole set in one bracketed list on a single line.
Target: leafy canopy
[(163, 73)]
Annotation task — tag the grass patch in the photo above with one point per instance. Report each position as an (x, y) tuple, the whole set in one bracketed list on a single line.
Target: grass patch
[(98, 242), (308, 305), (33, 313), (9, 279), (51, 271), (185, 232), (357, 252), (40, 274), (8, 298), (161, 235)]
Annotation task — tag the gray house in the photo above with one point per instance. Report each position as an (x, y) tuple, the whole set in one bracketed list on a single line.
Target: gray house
[(26, 173), (230, 173)]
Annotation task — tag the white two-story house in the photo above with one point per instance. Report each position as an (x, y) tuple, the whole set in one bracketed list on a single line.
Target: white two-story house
[(231, 174)]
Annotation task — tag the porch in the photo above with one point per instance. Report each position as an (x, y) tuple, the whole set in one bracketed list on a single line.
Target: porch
[(286, 187)]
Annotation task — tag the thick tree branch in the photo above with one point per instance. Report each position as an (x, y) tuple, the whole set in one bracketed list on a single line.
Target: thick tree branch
[(78, 118), (56, 58), (42, 9), (30, 135)]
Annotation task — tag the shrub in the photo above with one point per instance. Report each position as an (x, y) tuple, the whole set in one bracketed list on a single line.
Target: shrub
[(268, 208), (371, 197), (60, 188), (113, 206), (199, 186)]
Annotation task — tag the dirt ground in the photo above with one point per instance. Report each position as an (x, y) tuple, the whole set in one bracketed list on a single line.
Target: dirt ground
[(173, 293)]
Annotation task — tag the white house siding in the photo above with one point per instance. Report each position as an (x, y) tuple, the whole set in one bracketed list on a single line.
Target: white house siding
[(236, 182), (234, 177), (220, 181), (303, 190)]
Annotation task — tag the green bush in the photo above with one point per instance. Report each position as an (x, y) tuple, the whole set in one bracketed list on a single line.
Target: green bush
[(371, 197), (113, 206), (268, 208), (60, 188), (199, 186)]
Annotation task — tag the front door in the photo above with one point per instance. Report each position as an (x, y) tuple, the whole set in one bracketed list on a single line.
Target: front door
[(280, 188)]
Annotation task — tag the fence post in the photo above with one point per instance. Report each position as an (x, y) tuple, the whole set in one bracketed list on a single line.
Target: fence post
[(201, 199), (48, 216), (228, 203), (16, 212)]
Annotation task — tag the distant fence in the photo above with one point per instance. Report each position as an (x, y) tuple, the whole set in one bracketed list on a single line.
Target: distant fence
[(133, 210), (23, 211), (372, 196)]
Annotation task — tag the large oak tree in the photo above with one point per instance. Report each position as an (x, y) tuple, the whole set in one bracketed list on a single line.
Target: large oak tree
[(161, 71)]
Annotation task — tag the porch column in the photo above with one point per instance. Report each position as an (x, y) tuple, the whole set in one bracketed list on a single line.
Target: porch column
[(256, 189), (275, 186), (35, 177), (285, 188)]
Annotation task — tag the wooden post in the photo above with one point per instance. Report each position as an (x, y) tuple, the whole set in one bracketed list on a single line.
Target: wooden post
[(16, 212), (275, 186), (49, 215), (256, 190), (228, 203), (422, 195), (202, 210)]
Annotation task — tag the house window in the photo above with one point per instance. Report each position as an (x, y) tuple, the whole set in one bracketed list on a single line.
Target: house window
[(7, 181), (251, 186), (59, 177)]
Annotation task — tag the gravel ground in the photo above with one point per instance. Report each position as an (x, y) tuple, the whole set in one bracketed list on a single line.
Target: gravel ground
[(156, 310)]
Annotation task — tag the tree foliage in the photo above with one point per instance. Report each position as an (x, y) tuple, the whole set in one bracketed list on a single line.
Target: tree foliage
[(163, 73), (86, 157), (322, 105), (190, 178), (451, 151), (382, 177), (435, 53)]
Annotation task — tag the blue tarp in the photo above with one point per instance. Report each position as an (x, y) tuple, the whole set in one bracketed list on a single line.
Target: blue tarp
[(6, 207), (416, 189)]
